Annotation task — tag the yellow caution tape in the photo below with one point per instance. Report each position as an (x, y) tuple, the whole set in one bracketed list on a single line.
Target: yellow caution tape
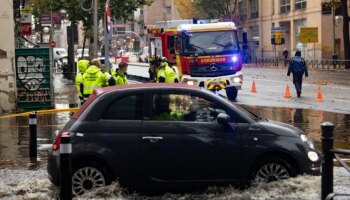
[(40, 112)]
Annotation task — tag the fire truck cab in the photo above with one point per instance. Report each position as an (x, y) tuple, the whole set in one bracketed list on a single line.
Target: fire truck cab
[(207, 55)]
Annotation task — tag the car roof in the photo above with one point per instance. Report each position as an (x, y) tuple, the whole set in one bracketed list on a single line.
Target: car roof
[(102, 90)]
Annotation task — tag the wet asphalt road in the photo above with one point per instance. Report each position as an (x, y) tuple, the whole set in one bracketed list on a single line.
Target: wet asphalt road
[(14, 155)]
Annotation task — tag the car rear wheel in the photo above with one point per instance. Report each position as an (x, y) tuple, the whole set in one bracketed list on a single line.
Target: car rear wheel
[(273, 169), (87, 177)]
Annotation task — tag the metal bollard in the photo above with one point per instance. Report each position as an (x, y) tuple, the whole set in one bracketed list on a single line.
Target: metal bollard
[(33, 137), (66, 168), (327, 165)]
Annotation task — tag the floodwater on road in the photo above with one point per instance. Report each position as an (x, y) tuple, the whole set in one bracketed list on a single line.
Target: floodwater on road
[(17, 182)]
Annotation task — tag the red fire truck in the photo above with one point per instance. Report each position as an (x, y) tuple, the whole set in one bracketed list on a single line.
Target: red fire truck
[(208, 55)]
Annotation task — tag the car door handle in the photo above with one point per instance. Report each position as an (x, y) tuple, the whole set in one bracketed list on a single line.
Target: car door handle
[(152, 138)]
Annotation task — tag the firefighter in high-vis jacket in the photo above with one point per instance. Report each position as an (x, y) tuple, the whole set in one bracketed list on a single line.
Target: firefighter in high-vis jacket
[(163, 72), (82, 66), (93, 78)]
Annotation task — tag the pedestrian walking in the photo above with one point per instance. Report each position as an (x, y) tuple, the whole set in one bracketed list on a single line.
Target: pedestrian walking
[(93, 78), (285, 55), (297, 67), (120, 76), (82, 66)]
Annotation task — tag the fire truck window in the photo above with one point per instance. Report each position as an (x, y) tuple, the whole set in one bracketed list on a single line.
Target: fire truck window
[(211, 42)]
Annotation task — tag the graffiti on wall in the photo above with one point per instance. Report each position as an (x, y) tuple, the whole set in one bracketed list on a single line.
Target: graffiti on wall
[(30, 74)]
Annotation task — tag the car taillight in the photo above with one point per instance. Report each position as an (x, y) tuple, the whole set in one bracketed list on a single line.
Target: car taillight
[(57, 143)]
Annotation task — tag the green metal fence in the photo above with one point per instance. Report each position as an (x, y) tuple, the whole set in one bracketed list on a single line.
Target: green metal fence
[(34, 78)]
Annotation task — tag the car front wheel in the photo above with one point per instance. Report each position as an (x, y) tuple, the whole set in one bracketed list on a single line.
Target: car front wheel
[(270, 170), (88, 177)]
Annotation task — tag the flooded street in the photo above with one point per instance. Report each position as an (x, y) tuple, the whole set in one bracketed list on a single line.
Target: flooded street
[(17, 182)]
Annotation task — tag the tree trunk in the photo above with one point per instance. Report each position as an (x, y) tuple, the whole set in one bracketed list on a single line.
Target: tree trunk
[(346, 33)]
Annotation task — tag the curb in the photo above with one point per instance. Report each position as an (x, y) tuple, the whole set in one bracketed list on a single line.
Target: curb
[(140, 64)]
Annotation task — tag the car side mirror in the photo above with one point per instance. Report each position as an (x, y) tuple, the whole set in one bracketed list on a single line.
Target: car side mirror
[(57, 53), (223, 118)]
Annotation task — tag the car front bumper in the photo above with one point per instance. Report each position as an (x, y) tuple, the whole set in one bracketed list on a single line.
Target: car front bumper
[(235, 80)]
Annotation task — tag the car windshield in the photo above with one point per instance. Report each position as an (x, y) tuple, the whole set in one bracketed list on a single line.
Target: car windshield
[(62, 52), (204, 43)]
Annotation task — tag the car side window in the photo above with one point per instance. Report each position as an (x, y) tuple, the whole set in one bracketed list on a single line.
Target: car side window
[(126, 108), (184, 107)]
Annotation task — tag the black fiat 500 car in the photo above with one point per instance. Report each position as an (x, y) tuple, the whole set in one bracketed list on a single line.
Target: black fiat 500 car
[(175, 135)]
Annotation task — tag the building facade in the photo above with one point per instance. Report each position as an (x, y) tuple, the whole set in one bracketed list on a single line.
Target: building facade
[(160, 10), (7, 57), (258, 17)]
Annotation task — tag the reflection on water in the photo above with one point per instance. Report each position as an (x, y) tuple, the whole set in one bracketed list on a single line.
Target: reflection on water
[(309, 121), (14, 132), (14, 137)]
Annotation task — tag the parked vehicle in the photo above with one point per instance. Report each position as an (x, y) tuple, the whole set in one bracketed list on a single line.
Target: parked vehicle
[(59, 53), (174, 135), (79, 54)]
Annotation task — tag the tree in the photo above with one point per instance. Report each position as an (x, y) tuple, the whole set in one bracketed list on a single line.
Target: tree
[(346, 21), (346, 40), (216, 9), (185, 8)]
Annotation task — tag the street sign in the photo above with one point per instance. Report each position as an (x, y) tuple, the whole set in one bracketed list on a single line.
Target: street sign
[(56, 18), (309, 34), (45, 19), (25, 28), (277, 35), (108, 17), (26, 17), (52, 44)]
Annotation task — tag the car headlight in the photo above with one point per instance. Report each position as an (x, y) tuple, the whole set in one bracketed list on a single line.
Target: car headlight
[(305, 139), (236, 80), (190, 83), (313, 156)]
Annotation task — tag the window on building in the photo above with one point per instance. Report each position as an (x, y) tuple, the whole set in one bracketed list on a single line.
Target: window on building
[(141, 12), (300, 4), (255, 31), (284, 6), (254, 5), (120, 30), (298, 24), (168, 9), (242, 10)]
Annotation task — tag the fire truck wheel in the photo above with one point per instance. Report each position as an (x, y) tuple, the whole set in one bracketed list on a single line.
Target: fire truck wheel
[(231, 93)]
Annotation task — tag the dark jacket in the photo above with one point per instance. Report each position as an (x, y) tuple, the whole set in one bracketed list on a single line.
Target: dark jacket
[(297, 65)]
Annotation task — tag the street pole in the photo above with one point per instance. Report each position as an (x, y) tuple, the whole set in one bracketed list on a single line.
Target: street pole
[(334, 56), (95, 29)]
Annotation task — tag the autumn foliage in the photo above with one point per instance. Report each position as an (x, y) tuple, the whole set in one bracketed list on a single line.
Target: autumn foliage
[(185, 8)]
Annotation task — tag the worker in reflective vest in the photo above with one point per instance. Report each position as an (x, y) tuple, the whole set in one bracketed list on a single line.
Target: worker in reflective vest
[(166, 74), (82, 66), (93, 78), (120, 76)]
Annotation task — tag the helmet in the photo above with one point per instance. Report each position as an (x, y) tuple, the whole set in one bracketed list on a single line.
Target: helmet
[(164, 62), (155, 60)]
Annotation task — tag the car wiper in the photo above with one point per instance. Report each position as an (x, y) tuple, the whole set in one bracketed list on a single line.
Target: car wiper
[(201, 48), (222, 45)]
